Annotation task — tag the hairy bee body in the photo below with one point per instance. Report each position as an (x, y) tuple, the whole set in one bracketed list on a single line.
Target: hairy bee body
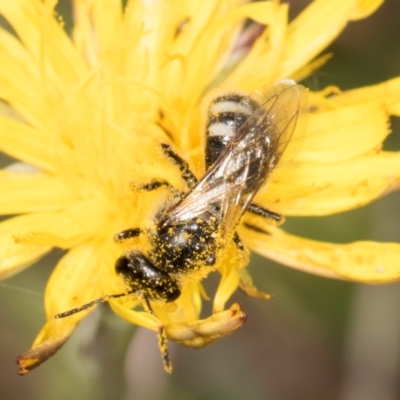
[(245, 139)]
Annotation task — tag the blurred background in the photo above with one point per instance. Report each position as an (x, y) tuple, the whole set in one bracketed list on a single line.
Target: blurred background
[(318, 339)]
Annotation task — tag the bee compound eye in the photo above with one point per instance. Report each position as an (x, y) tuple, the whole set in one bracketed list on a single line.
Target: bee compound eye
[(122, 266)]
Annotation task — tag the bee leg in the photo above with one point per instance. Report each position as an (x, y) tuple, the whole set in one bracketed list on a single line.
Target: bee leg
[(187, 175), (262, 212), (162, 338), (152, 283), (163, 345), (153, 185), (238, 241), (127, 234)]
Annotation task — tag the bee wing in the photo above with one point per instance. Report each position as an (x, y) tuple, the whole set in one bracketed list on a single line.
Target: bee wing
[(291, 106), (228, 187)]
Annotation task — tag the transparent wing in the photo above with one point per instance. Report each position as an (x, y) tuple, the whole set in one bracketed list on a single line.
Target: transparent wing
[(228, 187), (291, 106)]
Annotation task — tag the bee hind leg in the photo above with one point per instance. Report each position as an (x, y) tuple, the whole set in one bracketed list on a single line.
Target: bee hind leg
[(262, 212), (238, 241)]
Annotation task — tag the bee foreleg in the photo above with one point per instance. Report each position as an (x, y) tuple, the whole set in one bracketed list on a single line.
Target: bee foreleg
[(127, 234)]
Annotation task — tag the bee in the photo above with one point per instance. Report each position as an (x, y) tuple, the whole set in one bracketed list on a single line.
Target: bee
[(246, 137)]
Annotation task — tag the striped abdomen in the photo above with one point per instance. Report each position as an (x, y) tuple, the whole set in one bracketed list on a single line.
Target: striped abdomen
[(226, 115)]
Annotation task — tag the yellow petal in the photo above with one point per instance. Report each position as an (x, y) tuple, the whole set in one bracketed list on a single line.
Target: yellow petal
[(364, 261), (230, 261), (20, 84), (95, 27), (82, 220), (302, 189), (186, 308), (317, 26), (136, 317), (15, 257), (22, 238), (388, 93), (260, 65), (75, 224), (204, 35), (26, 144), (73, 283), (32, 192), (46, 41), (206, 58), (227, 286), (347, 132), (203, 332), (311, 67), (50, 340), (247, 286)]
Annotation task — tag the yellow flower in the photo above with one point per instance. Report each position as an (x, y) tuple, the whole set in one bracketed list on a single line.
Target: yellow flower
[(86, 116)]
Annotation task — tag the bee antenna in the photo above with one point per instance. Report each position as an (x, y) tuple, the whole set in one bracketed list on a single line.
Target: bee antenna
[(101, 299)]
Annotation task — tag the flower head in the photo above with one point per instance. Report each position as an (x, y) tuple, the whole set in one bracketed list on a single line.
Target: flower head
[(88, 116)]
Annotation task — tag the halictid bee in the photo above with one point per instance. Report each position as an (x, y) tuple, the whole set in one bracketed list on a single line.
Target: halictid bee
[(246, 137)]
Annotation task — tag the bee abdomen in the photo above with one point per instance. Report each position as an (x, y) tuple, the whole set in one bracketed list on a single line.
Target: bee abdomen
[(226, 115)]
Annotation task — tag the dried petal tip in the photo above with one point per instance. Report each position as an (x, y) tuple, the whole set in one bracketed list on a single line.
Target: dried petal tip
[(34, 357), (203, 332)]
